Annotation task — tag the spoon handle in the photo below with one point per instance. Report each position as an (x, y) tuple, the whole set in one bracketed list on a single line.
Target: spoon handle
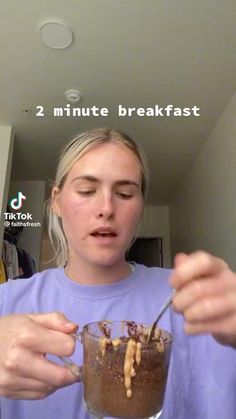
[(163, 308)]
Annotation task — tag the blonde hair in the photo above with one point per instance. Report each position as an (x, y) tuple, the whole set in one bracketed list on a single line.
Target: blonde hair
[(71, 153)]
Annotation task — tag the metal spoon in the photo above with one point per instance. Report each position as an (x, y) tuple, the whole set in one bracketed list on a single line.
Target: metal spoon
[(163, 308)]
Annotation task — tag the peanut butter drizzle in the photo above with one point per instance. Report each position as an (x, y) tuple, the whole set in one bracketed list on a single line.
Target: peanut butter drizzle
[(116, 343), (160, 346), (159, 342), (138, 353), (103, 342), (133, 354)]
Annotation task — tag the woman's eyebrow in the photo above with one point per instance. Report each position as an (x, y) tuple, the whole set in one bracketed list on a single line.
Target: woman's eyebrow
[(124, 182), (85, 177), (121, 182)]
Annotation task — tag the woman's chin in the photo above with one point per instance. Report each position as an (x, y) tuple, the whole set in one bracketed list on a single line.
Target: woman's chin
[(108, 261)]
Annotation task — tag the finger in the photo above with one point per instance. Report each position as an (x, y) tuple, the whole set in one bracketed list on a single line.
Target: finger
[(49, 372), (17, 383), (224, 339), (226, 326), (42, 340), (201, 288), (179, 259), (23, 395), (211, 309), (34, 366), (196, 265), (55, 321)]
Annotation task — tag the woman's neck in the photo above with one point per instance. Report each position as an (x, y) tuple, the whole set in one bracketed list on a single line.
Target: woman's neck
[(93, 274)]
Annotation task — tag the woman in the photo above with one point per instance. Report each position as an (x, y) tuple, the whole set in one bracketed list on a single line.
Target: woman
[(96, 205)]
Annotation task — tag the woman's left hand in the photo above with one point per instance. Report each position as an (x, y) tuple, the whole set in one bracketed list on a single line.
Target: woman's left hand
[(205, 295)]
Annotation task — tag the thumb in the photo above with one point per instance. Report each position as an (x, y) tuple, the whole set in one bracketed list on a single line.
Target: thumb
[(55, 321), (179, 259)]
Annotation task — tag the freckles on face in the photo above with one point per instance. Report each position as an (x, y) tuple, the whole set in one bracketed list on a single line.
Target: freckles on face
[(78, 215), (75, 211), (103, 188), (131, 217)]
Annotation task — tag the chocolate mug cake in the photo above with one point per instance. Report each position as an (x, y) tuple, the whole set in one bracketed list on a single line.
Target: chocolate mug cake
[(123, 375)]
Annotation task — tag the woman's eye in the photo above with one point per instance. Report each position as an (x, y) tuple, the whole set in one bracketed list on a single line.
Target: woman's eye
[(86, 192), (124, 195)]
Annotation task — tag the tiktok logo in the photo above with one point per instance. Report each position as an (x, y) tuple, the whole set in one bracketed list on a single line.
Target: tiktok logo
[(16, 203)]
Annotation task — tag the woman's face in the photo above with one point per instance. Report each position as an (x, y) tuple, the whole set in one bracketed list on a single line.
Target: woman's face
[(101, 204)]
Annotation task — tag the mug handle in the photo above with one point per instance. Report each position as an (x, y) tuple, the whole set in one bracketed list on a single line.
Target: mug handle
[(75, 369)]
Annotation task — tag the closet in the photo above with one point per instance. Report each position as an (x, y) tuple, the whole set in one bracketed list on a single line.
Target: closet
[(15, 262)]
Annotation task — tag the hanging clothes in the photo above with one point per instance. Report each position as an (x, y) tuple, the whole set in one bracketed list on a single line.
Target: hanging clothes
[(17, 263), (26, 264), (11, 260), (3, 276)]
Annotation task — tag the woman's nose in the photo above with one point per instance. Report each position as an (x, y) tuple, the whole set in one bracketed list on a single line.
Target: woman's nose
[(105, 207)]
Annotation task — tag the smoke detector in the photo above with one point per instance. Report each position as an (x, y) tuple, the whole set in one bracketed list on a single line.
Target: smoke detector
[(73, 95), (56, 34)]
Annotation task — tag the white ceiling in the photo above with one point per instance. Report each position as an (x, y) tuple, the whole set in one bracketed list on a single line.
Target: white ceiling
[(132, 52)]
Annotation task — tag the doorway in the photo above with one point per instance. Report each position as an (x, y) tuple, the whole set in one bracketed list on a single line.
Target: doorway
[(147, 251)]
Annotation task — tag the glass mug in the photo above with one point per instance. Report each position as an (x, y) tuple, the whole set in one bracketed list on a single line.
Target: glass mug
[(122, 378)]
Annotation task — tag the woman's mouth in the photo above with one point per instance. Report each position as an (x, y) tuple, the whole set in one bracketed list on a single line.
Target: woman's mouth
[(104, 233)]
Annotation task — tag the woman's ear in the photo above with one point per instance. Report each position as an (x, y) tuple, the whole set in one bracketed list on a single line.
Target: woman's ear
[(56, 201)]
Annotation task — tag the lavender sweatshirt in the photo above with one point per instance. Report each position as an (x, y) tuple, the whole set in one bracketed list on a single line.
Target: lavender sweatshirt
[(202, 374)]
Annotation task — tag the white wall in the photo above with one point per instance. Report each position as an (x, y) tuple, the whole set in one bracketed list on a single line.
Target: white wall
[(31, 237), (6, 149), (203, 210), (47, 253), (156, 223)]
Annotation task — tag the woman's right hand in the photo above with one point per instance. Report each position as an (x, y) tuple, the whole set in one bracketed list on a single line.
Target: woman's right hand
[(25, 373)]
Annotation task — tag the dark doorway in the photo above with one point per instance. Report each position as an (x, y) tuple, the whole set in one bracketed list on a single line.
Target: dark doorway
[(146, 250)]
